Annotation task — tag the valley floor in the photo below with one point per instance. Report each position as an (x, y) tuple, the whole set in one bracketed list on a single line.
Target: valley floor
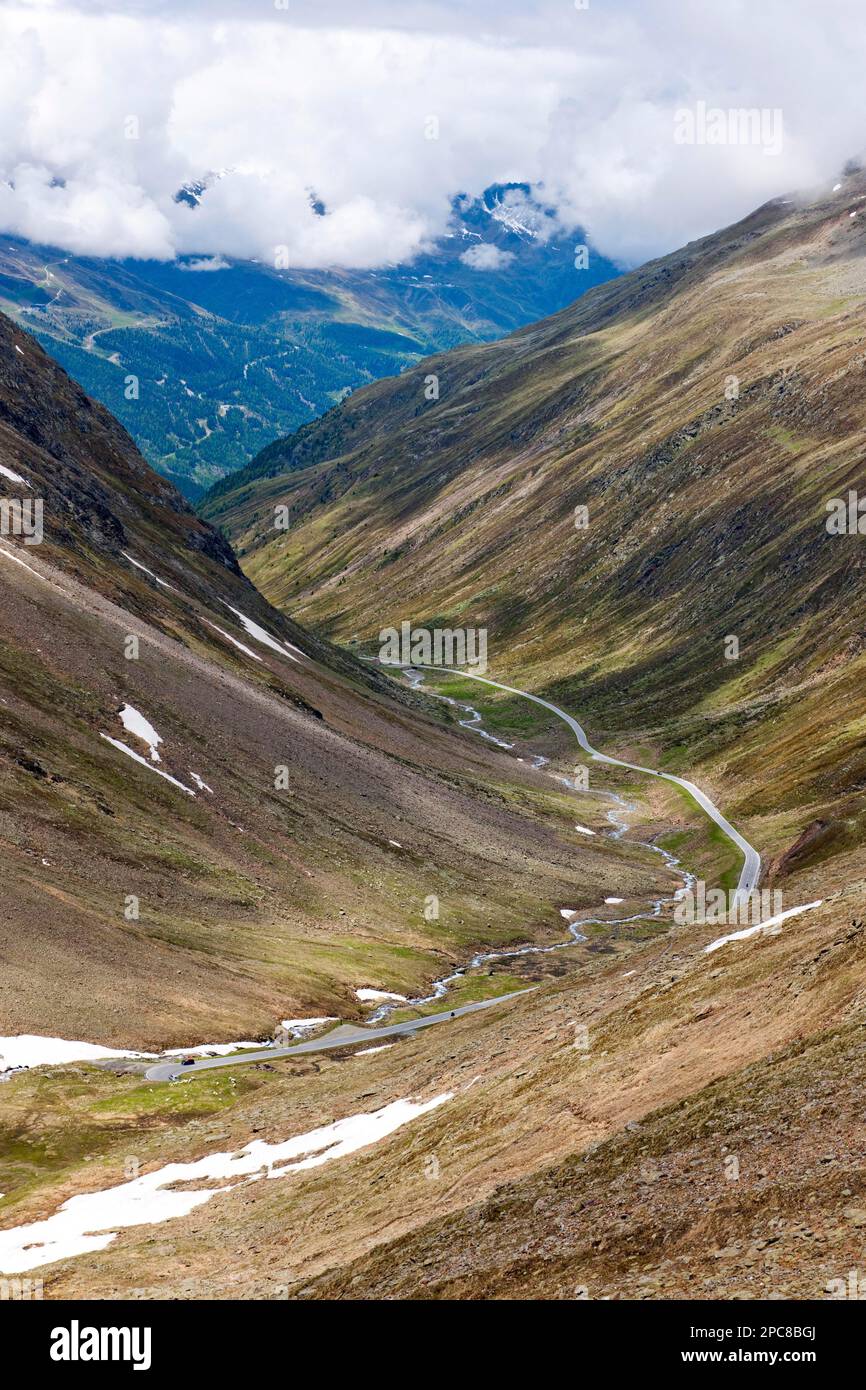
[(631, 1128)]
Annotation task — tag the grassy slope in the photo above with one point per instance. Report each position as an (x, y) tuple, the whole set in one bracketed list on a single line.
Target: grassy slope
[(699, 1056), (706, 514), (256, 902)]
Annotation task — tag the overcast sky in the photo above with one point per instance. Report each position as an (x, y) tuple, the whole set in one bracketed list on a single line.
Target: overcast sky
[(338, 98)]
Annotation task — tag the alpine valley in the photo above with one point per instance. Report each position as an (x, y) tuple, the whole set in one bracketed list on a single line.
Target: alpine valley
[(229, 832)]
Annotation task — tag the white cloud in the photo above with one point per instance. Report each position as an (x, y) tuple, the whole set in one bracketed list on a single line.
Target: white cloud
[(204, 263), (339, 98), (485, 256)]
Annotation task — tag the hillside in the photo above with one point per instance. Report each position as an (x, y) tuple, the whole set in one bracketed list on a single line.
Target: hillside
[(665, 1112), (704, 409), (213, 820), (253, 898), (230, 354)]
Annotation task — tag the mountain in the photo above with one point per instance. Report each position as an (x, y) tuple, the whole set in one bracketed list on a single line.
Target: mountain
[(228, 355), (255, 899), (672, 1109), (704, 409), (213, 820), (701, 616)]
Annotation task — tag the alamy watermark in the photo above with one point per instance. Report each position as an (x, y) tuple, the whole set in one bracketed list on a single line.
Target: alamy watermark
[(437, 646), (846, 515), (22, 517), (854, 1286), (738, 125), (20, 1290), (714, 907)]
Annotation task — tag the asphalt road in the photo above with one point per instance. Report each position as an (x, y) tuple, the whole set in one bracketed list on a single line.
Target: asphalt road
[(751, 870), (350, 1034), (346, 1035)]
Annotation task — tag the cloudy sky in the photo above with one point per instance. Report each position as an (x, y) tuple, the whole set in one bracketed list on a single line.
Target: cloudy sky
[(387, 108)]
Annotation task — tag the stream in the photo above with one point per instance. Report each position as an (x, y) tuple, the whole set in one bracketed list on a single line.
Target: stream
[(441, 986)]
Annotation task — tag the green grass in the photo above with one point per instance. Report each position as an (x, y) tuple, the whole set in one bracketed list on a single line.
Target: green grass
[(704, 848), (55, 1121), (202, 1094), (500, 713)]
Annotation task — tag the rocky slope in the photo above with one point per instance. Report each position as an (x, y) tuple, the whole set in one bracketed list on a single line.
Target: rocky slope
[(141, 911)]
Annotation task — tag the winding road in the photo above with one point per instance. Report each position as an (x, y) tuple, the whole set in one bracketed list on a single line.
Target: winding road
[(347, 1035), (350, 1034), (751, 870)]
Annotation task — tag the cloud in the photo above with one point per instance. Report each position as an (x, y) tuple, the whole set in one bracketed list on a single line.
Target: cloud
[(204, 263), (106, 111), (485, 256)]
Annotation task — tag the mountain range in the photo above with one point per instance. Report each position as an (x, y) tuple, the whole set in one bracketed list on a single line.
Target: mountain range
[(220, 814), (206, 360)]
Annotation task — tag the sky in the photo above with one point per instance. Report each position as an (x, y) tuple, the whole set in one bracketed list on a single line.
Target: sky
[(386, 109)]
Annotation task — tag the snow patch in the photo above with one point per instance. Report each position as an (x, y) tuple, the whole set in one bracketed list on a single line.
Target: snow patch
[(211, 1049), (298, 1026), (31, 1050), (583, 830), (139, 566), (376, 996), (23, 564), (227, 635), (368, 1051), (92, 1220), (130, 753), (135, 723), (13, 477), (614, 900), (202, 786), (260, 635), (767, 926)]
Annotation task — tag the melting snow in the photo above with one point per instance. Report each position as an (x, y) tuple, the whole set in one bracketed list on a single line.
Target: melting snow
[(227, 635), (30, 1050), (260, 635), (614, 900), (567, 912), (135, 723), (583, 830), (395, 843), (298, 1026), (761, 926), (147, 571), (374, 996), (368, 1051), (13, 477), (91, 1221), (836, 187), (23, 564), (210, 1049), (130, 753), (202, 786)]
